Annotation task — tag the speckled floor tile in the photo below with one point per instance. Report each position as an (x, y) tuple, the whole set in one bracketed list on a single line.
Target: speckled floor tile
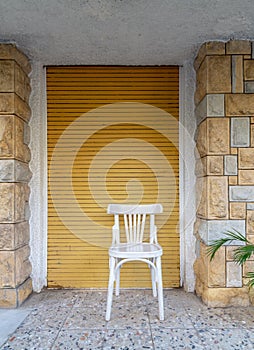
[(75, 319), (242, 317), (174, 338), (63, 298), (225, 339), (88, 318), (96, 299), (128, 317), (128, 298), (30, 339), (121, 318), (174, 318), (216, 318), (79, 339), (44, 319), (128, 339), (178, 298), (35, 300)]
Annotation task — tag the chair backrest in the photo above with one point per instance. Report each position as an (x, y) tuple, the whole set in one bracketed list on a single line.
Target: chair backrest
[(134, 217)]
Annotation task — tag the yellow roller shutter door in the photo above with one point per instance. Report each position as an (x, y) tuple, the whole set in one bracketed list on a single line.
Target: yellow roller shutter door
[(112, 137)]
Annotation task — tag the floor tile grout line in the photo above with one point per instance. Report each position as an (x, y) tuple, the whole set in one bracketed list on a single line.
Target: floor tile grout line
[(60, 328), (151, 332)]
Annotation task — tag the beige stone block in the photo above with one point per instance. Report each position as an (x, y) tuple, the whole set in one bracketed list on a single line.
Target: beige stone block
[(211, 273), (20, 82), (22, 264), (201, 197), (213, 77), (12, 139), (217, 197), (224, 297), (215, 165), (7, 269), (251, 239), (7, 136), (238, 47), (21, 198), (246, 158), (13, 297), (22, 109), (246, 177), (201, 83), (7, 202), (24, 290), (22, 151), (8, 298), (201, 265), (233, 150), (10, 103), (219, 74), (237, 210), (200, 167), (239, 105), (250, 222), (209, 48), (249, 70), (6, 76), (232, 180), (202, 139), (216, 270), (252, 135), (15, 267), (230, 251), (7, 103), (13, 202), (247, 57), (237, 74), (218, 136), (10, 52), (13, 236), (248, 267)]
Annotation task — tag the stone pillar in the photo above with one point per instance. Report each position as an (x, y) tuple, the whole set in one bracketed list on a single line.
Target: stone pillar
[(15, 267), (224, 166)]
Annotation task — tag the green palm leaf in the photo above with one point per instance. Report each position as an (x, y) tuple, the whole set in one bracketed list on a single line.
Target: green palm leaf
[(230, 236), (250, 275), (243, 253)]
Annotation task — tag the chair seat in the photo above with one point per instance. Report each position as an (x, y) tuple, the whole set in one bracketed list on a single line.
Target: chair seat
[(134, 250)]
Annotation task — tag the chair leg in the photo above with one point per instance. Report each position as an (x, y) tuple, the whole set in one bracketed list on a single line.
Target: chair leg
[(110, 287), (160, 288), (117, 281), (153, 278)]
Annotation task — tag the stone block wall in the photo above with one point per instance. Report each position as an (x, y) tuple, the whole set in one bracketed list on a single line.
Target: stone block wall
[(224, 102), (15, 267)]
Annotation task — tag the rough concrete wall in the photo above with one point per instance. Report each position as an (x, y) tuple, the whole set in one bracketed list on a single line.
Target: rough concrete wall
[(187, 174), (15, 267), (224, 167)]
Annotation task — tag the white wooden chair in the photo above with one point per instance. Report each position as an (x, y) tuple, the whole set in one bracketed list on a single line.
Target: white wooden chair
[(134, 248)]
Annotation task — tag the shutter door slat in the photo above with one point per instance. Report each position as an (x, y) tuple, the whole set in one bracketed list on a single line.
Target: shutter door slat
[(75, 260)]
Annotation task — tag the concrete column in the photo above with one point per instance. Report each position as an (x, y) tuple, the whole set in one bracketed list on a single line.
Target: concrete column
[(15, 267)]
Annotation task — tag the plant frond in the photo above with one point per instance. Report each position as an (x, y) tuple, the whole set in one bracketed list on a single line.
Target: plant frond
[(215, 245), (236, 235), (230, 236), (243, 253), (250, 275)]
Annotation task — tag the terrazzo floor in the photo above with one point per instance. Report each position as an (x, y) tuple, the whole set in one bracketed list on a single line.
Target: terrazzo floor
[(75, 319)]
